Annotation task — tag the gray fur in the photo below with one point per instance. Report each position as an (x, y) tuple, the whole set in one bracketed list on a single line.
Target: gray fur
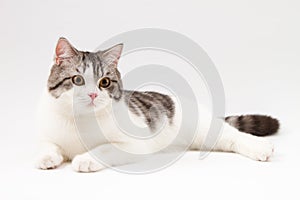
[(59, 80), (260, 125)]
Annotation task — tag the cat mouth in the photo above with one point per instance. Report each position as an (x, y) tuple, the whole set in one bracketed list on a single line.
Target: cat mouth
[(92, 104)]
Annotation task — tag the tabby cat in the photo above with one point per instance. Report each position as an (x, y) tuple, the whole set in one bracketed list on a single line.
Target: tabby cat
[(91, 82)]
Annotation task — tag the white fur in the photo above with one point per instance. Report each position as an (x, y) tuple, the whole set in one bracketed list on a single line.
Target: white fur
[(60, 140)]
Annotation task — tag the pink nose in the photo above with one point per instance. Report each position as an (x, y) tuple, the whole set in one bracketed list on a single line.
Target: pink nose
[(93, 95)]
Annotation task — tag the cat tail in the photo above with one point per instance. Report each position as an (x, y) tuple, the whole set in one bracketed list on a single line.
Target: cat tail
[(259, 125)]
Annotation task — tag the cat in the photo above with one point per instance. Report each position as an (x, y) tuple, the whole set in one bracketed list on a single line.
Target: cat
[(92, 82)]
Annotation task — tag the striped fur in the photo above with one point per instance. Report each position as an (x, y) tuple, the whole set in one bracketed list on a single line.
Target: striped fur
[(259, 125), (151, 105)]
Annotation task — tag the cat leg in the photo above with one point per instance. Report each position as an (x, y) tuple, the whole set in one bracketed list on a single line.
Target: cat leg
[(100, 158), (49, 157), (251, 146)]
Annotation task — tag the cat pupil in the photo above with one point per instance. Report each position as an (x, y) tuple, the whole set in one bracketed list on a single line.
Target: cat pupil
[(78, 80)]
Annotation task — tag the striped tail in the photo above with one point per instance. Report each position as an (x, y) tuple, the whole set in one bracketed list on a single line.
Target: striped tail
[(259, 125)]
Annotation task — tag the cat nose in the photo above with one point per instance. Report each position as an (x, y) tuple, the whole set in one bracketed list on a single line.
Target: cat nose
[(93, 95)]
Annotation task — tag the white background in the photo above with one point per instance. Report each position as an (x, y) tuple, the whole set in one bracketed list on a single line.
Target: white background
[(255, 45)]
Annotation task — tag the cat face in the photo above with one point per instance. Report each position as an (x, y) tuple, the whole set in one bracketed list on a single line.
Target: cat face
[(89, 79)]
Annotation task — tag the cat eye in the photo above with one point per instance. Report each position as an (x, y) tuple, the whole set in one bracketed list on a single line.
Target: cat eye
[(104, 82), (78, 80)]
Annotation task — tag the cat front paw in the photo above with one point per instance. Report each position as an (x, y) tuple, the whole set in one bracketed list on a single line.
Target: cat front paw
[(86, 163), (49, 161)]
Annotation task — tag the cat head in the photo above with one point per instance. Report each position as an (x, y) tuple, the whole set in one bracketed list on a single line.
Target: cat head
[(89, 79)]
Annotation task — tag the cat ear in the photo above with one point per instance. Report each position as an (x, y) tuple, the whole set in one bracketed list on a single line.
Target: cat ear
[(64, 51), (112, 55)]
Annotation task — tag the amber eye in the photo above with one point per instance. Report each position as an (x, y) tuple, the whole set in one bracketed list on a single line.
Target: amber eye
[(78, 80), (104, 82)]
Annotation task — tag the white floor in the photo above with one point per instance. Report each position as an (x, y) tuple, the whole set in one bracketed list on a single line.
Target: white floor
[(220, 175), (254, 44)]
